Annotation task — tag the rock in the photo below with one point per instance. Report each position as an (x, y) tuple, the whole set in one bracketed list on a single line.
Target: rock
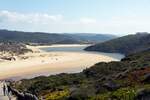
[(28, 96), (147, 78), (143, 94), (110, 85), (103, 78), (9, 58), (142, 68), (22, 96), (122, 74), (126, 59)]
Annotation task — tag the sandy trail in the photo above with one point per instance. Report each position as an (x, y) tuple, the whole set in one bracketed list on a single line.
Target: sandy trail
[(43, 63)]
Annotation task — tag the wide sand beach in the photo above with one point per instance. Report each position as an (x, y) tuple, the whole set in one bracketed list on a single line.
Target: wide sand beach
[(44, 63)]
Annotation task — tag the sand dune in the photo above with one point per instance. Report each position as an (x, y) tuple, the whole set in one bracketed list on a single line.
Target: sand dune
[(44, 63)]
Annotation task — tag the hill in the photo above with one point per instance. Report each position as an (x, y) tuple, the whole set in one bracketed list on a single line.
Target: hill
[(31, 37), (124, 80), (92, 37), (51, 38), (71, 41), (126, 44)]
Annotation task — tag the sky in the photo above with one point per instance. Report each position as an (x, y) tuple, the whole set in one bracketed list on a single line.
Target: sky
[(117, 17)]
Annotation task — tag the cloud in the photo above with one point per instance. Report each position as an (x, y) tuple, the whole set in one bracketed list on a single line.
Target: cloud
[(88, 20), (30, 21), (36, 18), (44, 22)]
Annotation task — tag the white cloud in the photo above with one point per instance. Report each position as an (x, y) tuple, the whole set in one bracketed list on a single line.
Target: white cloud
[(88, 20), (30, 21), (43, 22), (36, 18)]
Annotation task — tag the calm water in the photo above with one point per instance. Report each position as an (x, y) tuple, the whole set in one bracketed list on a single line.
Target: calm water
[(65, 49), (80, 49)]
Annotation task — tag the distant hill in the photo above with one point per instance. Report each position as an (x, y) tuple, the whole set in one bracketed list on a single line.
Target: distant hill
[(92, 37), (51, 38), (126, 44), (31, 37), (71, 41)]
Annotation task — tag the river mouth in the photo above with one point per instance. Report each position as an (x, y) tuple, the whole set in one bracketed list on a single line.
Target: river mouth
[(80, 49), (62, 59)]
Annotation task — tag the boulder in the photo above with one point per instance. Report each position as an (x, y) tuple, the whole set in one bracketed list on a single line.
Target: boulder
[(143, 94), (122, 75), (146, 78), (110, 85), (28, 96)]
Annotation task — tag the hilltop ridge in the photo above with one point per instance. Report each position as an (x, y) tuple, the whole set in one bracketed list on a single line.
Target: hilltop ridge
[(126, 45), (52, 38)]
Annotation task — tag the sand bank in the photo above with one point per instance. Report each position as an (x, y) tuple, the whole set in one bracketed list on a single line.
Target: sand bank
[(44, 63)]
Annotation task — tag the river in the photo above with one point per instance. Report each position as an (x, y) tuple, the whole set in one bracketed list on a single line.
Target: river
[(79, 48)]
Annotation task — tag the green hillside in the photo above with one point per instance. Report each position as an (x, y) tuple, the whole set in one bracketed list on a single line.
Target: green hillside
[(126, 44)]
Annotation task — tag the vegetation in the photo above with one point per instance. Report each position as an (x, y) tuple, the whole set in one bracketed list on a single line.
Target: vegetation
[(14, 48), (46, 38), (92, 37), (103, 81), (57, 95), (126, 45)]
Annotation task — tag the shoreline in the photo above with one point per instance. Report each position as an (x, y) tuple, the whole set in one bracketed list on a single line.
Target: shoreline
[(63, 45), (41, 62)]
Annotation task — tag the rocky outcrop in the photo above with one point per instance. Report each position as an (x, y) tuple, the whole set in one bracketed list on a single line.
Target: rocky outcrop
[(8, 58), (23, 96), (13, 48), (143, 94), (110, 85), (147, 78)]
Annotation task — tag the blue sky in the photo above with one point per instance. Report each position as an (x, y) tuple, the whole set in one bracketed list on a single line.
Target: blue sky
[(90, 16)]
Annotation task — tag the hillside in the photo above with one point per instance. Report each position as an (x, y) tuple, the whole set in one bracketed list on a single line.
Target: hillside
[(92, 37), (126, 44), (51, 38), (31, 37), (124, 80), (71, 41)]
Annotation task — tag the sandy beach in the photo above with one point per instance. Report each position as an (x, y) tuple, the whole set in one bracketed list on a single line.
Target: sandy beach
[(44, 63)]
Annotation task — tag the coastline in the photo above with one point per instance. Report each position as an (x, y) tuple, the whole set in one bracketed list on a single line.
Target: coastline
[(40, 63), (62, 45)]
